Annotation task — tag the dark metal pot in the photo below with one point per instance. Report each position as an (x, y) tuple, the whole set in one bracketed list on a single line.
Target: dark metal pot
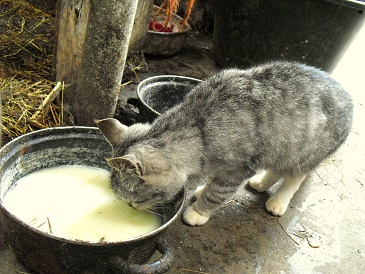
[(158, 94), (47, 253)]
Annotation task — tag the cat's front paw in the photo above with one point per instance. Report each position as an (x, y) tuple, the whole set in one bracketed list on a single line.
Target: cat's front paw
[(275, 206), (193, 218), (256, 184), (198, 191)]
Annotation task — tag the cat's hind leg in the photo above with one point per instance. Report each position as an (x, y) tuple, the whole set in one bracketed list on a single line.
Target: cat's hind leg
[(278, 203), (263, 181)]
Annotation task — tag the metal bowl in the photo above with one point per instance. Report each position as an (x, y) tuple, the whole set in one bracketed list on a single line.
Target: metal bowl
[(160, 93), (48, 253), (165, 43)]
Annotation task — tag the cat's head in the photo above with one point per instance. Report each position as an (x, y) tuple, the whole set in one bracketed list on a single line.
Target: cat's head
[(142, 174)]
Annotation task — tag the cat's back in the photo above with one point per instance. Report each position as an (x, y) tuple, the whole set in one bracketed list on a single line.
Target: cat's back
[(263, 98), (271, 104), (279, 110), (284, 86), (267, 82)]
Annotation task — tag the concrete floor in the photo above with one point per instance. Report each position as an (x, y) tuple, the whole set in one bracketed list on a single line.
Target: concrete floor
[(323, 231)]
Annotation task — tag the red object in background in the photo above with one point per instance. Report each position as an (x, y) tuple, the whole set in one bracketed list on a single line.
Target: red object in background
[(154, 26)]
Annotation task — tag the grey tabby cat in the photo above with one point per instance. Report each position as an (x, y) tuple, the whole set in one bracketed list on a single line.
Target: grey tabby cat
[(282, 117)]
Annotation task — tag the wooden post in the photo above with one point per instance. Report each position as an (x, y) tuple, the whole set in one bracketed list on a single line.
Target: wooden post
[(71, 22), (91, 48)]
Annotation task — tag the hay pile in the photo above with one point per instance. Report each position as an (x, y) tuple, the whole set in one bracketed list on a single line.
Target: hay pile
[(26, 52)]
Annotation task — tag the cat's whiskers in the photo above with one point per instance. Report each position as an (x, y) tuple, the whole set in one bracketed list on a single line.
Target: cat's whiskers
[(153, 212)]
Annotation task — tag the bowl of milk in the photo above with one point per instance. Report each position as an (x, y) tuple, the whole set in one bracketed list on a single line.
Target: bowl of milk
[(60, 214)]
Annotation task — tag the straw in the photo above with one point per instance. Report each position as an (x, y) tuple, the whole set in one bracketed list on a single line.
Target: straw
[(26, 48)]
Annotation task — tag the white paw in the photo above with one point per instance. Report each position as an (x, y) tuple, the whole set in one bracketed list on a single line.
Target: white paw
[(198, 191), (256, 184), (193, 218), (276, 206)]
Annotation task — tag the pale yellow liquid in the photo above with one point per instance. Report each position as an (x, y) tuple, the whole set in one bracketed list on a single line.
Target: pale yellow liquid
[(76, 202)]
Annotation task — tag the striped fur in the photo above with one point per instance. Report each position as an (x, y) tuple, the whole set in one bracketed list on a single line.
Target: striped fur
[(283, 117)]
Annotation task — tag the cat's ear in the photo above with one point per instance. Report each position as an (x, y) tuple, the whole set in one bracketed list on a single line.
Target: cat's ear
[(127, 162), (112, 130)]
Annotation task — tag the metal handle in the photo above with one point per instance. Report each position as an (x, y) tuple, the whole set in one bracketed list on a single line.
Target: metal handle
[(162, 265)]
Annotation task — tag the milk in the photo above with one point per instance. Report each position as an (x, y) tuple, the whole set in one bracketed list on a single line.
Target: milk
[(76, 202)]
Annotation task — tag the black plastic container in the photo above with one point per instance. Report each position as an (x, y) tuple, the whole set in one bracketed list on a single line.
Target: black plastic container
[(315, 32)]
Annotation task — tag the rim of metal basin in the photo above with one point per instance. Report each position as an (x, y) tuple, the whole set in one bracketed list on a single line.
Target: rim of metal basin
[(141, 88)]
